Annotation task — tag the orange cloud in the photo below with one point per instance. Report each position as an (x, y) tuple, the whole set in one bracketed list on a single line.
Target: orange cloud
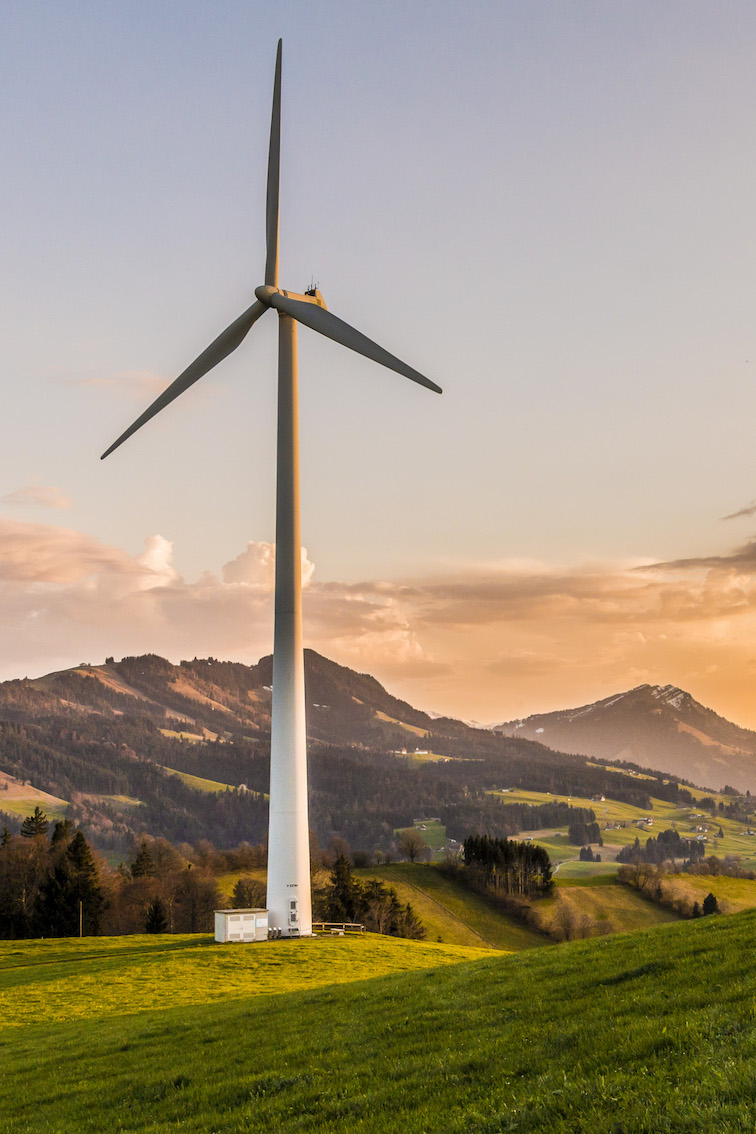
[(491, 643), (37, 495)]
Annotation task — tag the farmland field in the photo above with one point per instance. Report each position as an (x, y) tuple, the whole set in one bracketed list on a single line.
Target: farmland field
[(664, 815)]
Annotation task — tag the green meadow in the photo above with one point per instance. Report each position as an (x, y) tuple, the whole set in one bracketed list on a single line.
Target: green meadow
[(639, 1033), (450, 912), (663, 814), (198, 782), (104, 977)]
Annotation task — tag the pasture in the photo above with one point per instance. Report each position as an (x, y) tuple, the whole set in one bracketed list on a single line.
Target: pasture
[(648, 1033)]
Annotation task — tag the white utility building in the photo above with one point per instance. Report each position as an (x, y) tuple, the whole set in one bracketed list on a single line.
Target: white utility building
[(241, 925)]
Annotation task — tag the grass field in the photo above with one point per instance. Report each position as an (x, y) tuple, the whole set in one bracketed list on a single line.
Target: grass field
[(24, 807), (649, 1033), (737, 893), (449, 912), (434, 833), (198, 782), (104, 977), (576, 869), (613, 908), (454, 915)]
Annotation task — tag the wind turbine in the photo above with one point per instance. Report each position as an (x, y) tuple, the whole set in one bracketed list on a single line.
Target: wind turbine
[(289, 893)]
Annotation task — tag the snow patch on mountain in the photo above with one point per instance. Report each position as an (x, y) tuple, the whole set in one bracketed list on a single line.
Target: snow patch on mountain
[(668, 695)]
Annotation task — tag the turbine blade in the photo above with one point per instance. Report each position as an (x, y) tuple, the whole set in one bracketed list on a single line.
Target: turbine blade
[(226, 342), (325, 323), (274, 166)]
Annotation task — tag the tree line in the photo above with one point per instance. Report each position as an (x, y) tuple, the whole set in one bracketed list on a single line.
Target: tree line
[(667, 846), (52, 884), (506, 866)]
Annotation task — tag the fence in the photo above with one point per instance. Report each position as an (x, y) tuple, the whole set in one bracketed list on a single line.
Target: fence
[(337, 928)]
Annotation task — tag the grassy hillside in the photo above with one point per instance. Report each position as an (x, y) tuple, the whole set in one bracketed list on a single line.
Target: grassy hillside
[(454, 915), (97, 978), (608, 906), (733, 894), (449, 912), (663, 815), (636, 1034)]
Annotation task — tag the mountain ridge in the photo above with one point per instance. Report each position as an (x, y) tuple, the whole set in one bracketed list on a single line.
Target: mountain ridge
[(114, 741), (657, 726)]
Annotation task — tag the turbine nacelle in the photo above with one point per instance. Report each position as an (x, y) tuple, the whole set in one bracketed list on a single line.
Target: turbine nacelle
[(266, 294)]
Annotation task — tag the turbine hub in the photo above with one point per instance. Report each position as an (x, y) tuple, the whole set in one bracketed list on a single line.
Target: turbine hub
[(265, 293)]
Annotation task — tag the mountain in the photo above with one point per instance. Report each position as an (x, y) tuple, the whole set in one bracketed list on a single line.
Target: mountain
[(656, 726), (142, 746)]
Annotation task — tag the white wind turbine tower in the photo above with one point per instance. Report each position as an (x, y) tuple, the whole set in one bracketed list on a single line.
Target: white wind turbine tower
[(289, 895)]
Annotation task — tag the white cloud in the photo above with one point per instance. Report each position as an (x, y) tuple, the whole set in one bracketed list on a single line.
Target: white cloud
[(256, 566), (156, 559), (37, 496)]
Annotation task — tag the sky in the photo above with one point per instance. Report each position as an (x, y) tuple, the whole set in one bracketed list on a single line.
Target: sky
[(546, 208)]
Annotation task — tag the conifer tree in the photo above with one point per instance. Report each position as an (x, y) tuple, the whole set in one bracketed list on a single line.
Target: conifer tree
[(35, 824), (157, 920), (344, 891), (56, 911), (144, 864), (85, 883), (61, 832), (410, 926), (72, 880), (710, 905)]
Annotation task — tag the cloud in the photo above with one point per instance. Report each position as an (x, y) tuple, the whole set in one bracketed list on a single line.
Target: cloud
[(749, 510), (142, 385), (156, 559), (256, 566), (742, 559), (38, 495), (490, 642), (40, 553)]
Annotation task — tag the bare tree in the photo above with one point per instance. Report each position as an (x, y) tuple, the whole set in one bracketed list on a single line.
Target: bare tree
[(411, 844)]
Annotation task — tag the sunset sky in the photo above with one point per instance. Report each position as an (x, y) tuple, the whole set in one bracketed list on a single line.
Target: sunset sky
[(546, 208)]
